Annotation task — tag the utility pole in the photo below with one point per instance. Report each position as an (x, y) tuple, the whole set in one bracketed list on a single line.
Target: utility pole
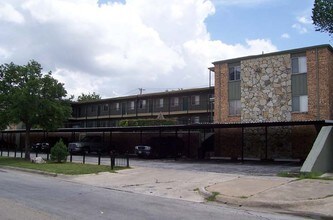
[(141, 90)]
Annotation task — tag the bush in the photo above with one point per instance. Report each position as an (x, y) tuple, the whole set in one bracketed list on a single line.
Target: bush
[(59, 152)]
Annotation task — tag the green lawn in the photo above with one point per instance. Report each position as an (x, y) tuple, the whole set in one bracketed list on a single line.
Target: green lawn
[(300, 176), (59, 168)]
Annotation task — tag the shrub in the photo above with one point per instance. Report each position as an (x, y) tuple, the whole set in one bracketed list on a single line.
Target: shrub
[(59, 152)]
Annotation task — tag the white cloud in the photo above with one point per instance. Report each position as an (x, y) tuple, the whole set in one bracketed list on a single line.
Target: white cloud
[(4, 53), (241, 2), (285, 36), (9, 14), (114, 48), (304, 20), (300, 28)]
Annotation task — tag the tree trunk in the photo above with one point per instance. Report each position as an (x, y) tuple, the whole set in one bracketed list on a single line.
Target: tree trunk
[(27, 142)]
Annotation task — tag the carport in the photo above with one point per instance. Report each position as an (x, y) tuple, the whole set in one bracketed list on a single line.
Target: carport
[(204, 129)]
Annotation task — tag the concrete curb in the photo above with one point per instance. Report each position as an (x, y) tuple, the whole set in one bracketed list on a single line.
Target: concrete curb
[(285, 206), (29, 171)]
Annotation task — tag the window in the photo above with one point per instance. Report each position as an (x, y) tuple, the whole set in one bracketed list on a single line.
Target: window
[(298, 65), (174, 101), (234, 73), (132, 105), (117, 106), (196, 119), (299, 83), (160, 103), (300, 103), (106, 107), (93, 108), (142, 104), (234, 107), (195, 100)]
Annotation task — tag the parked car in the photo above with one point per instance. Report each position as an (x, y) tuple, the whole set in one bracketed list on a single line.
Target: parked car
[(87, 145), (161, 147), (143, 151), (41, 147)]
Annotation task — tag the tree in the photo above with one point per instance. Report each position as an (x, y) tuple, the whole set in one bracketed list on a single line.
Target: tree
[(59, 152), (29, 96), (88, 97), (322, 16)]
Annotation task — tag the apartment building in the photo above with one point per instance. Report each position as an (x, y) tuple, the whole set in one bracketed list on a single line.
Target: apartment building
[(186, 106), (291, 85)]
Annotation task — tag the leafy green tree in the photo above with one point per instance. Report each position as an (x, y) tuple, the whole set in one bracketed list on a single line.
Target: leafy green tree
[(322, 16), (88, 97), (29, 96), (59, 152)]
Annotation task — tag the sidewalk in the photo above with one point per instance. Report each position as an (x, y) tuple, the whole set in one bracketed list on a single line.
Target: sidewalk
[(306, 197)]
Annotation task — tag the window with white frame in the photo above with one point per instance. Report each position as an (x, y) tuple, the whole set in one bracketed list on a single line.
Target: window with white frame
[(234, 72), (234, 107), (195, 100), (161, 103), (174, 101), (298, 65), (131, 105), (299, 83), (142, 104), (300, 103)]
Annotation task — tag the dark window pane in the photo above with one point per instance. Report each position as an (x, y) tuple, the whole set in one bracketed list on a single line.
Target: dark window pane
[(294, 63), (231, 73), (295, 104), (237, 72), (234, 107)]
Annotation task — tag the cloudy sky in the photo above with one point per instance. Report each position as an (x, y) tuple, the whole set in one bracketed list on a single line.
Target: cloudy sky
[(114, 47)]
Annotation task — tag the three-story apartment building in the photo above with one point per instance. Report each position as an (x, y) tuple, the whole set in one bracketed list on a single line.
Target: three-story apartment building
[(292, 85)]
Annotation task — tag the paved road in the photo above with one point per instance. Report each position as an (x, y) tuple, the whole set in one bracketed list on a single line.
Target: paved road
[(30, 196)]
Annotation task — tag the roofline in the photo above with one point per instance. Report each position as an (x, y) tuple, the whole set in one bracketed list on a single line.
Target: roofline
[(297, 50), (147, 95), (186, 127)]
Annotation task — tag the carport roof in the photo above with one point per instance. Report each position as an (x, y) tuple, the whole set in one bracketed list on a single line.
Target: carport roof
[(317, 123)]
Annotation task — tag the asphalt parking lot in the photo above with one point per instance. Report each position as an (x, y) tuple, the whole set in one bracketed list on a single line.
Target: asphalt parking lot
[(255, 168)]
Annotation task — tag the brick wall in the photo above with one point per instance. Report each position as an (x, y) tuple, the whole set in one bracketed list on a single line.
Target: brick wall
[(319, 66), (300, 139), (221, 105)]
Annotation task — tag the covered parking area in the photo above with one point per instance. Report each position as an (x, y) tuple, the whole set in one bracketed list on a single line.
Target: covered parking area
[(193, 136)]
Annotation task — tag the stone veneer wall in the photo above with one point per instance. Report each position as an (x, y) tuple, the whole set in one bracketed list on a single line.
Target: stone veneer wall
[(266, 89), (266, 96)]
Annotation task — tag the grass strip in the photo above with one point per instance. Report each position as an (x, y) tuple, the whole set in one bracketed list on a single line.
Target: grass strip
[(58, 168), (212, 198), (301, 176)]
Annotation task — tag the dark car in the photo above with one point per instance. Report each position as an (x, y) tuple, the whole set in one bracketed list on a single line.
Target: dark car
[(41, 147), (161, 147), (87, 145), (143, 151)]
